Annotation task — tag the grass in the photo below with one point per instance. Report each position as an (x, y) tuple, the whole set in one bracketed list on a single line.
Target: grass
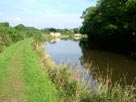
[(12, 86), (71, 88), (27, 75), (108, 91), (22, 77), (5, 58), (39, 86), (75, 90), (8, 67)]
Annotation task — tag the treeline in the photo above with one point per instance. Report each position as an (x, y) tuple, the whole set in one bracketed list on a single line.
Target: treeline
[(111, 24), (10, 35), (64, 31)]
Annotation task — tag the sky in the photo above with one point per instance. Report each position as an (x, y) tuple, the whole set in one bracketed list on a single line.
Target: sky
[(44, 13)]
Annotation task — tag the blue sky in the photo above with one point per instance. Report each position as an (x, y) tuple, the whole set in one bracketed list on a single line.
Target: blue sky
[(44, 13)]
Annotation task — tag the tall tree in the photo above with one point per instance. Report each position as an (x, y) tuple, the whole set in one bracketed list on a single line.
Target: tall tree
[(110, 20)]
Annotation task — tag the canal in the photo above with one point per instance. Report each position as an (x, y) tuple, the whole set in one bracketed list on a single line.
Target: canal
[(90, 61)]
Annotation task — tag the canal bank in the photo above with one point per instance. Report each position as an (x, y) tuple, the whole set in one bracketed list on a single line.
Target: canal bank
[(69, 86), (73, 89)]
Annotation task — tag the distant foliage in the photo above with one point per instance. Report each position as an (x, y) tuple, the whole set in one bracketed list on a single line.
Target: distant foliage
[(9, 35), (64, 31)]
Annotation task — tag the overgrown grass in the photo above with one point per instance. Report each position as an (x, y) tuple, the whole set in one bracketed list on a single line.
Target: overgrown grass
[(108, 91), (111, 91)]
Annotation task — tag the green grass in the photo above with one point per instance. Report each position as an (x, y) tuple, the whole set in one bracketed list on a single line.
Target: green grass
[(71, 89), (5, 58), (39, 87), (11, 84), (22, 78), (28, 76)]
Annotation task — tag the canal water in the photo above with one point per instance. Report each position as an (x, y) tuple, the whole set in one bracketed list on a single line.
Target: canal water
[(90, 62)]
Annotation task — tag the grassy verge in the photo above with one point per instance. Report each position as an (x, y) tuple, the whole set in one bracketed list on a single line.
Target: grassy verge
[(39, 88), (72, 89)]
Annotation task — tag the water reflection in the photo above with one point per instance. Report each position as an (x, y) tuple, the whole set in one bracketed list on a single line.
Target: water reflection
[(121, 65), (69, 52), (54, 40)]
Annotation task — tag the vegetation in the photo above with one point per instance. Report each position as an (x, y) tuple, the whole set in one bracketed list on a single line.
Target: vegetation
[(64, 31), (39, 88), (30, 76), (10, 35), (72, 88), (113, 92), (107, 90), (22, 76), (111, 24)]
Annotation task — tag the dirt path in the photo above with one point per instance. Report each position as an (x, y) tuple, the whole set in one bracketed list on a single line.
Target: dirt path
[(12, 85)]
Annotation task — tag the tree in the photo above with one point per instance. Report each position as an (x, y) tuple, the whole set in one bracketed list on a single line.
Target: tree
[(111, 22), (76, 30), (52, 30), (20, 27), (4, 24)]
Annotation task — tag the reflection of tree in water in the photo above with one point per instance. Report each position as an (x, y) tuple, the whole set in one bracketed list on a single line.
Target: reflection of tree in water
[(54, 40), (99, 61), (83, 43)]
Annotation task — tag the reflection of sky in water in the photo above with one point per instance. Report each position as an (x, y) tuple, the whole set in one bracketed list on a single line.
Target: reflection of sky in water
[(68, 52)]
